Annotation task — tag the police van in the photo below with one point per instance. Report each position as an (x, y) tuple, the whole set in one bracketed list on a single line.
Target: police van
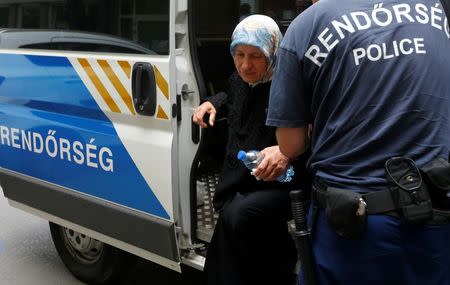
[(96, 136)]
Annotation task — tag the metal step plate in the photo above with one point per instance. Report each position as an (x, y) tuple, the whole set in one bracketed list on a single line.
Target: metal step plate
[(206, 217)]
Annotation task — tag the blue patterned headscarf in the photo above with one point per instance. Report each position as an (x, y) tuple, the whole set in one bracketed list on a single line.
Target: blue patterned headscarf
[(262, 32)]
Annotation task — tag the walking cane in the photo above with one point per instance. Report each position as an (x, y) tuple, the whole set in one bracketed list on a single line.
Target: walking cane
[(301, 235)]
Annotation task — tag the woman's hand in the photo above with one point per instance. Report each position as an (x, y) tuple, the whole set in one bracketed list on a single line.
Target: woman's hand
[(200, 111), (273, 165)]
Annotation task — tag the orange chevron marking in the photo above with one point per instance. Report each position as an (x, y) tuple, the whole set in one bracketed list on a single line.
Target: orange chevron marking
[(126, 67), (99, 85), (117, 84), (161, 114), (161, 82)]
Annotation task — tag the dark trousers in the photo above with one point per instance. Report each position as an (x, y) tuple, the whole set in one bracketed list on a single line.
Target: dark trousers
[(389, 253), (251, 243)]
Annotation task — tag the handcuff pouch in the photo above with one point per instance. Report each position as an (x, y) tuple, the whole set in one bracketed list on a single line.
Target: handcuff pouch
[(341, 212)]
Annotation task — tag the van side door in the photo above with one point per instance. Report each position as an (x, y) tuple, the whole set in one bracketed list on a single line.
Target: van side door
[(88, 119)]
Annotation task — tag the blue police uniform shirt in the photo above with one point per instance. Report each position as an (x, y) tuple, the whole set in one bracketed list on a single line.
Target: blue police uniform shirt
[(374, 80)]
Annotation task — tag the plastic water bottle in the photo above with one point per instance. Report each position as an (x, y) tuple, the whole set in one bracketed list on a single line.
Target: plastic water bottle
[(252, 158)]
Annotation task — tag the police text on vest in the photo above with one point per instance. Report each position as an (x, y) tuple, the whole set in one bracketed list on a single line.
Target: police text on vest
[(356, 22), (376, 52)]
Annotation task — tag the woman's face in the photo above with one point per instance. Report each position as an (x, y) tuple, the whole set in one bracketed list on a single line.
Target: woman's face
[(250, 62)]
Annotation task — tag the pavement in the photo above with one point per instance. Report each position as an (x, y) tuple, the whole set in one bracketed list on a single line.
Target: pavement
[(27, 254)]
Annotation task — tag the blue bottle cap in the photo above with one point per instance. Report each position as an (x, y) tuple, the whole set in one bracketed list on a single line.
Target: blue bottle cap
[(242, 155)]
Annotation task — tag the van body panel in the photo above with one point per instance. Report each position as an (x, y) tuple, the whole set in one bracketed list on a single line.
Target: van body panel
[(73, 146), (73, 122), (132, 227)]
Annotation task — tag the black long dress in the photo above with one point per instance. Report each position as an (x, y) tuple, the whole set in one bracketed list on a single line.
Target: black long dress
[(251, 243)]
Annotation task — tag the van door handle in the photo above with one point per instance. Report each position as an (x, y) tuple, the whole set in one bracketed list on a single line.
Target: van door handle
[(185, 92), (144, 88)]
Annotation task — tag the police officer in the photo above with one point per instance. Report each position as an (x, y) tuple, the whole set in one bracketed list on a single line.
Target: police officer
[(373, 79)]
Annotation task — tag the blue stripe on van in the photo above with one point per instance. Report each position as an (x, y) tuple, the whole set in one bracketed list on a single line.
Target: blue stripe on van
[(43, 96)]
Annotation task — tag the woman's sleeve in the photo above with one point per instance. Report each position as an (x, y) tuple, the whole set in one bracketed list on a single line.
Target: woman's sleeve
[(218, 100), (223, 101)]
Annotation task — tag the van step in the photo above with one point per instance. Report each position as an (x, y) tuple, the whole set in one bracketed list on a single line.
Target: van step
[(206, 217)]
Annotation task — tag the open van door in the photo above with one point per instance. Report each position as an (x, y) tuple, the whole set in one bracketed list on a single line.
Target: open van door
[(88, 123)]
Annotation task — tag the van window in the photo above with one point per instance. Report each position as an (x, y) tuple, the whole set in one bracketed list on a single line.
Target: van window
[(30, 17), (282, 11), (145, 23), (4, 16)]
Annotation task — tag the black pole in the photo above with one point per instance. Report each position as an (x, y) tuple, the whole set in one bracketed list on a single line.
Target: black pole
[(302, 237)]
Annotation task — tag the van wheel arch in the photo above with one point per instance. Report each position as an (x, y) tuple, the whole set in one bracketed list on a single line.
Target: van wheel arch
[(89, 260)]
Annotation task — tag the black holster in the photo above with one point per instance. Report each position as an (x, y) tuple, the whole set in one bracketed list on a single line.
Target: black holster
[(409, 193), (342, 213)]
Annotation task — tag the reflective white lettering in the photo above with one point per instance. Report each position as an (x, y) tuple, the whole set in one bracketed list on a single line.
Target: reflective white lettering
[(313, 54), (384, 51), (57, 147), (15, 138), (359, 53), (78, 157), (435, 18), (402, 46), (339, 26), (402, 10), (386, 54), (361, 19), (51, 146), (325, 41), (91, 154), (4, 133), (447, 28), (64, 148), (419, 46), (38, 143), (396, 53), (422, 12), (381, 16), (357, 21), (106, 161), (374, 52), (26, 141)]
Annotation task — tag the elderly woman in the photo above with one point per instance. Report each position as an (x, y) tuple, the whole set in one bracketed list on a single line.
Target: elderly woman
[(251, 244)]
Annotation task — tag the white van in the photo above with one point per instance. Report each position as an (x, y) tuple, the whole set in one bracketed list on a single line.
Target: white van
[(96, 99)]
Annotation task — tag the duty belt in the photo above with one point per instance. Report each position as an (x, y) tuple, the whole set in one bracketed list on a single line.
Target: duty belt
[(378, 202)]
